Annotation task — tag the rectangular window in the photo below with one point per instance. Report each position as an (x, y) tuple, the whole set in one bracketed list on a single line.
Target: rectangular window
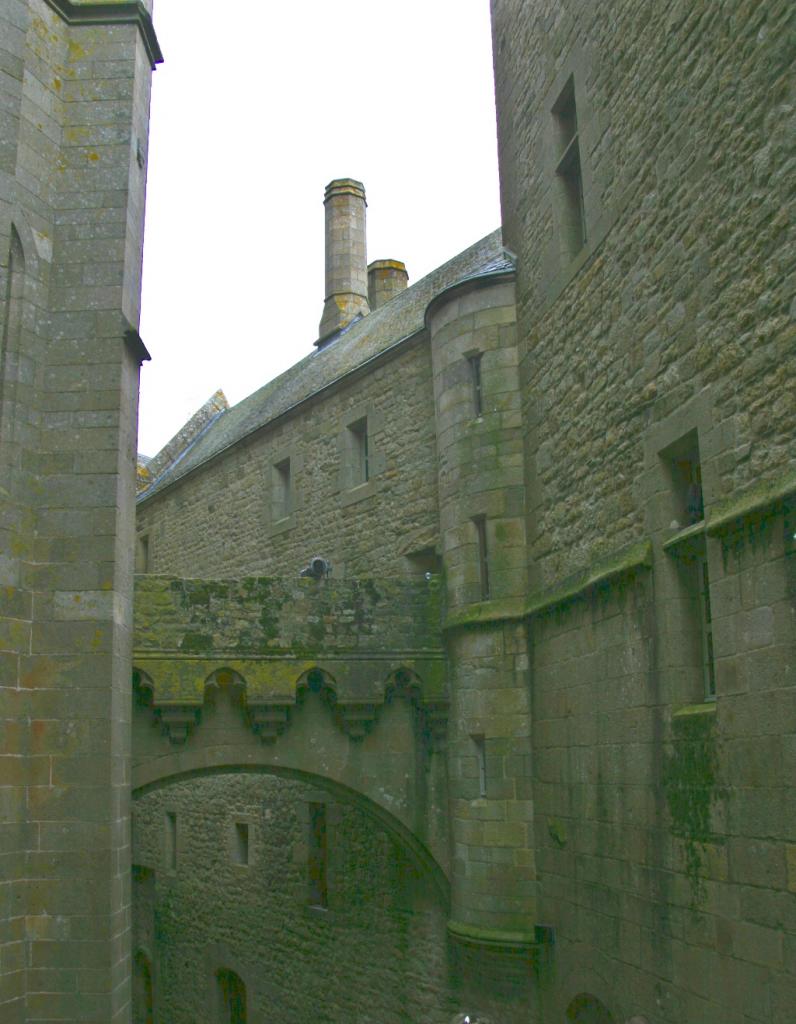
[(316, 860), (359, 460), (682, 464), (240, 844), (474, 362), (480, 753), (171, 841), (708, 665), (142, 553), (282, 493), (569, 178), (483, 555)]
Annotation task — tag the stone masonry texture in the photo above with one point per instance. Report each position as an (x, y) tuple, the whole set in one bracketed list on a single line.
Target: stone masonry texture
[(525, 749), (376, 953), (589, 436), (74, 96)]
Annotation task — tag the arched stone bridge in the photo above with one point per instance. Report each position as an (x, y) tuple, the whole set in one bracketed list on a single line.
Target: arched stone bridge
[(342, 684)]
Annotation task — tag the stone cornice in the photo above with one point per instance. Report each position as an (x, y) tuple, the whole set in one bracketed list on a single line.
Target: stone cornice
[(518, 943), (629, 559), (759, 501), (112, 14)]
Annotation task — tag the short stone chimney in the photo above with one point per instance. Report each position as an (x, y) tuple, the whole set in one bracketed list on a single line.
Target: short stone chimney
[(346, 259), (385, 279)]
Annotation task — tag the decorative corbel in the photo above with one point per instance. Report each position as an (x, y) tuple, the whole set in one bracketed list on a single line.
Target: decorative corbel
[(269, 720), (356, 718), (178, 722)]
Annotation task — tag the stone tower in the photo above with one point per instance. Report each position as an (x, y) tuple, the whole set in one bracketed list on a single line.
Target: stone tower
[(74, 129)]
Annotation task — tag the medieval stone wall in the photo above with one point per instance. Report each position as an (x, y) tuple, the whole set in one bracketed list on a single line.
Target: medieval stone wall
[(74, 93), (682, 286), (376, 952), (223, 519), (660, 339)]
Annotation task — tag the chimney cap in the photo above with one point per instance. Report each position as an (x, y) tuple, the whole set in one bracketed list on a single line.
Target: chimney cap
[(345, 186), (387, 265)]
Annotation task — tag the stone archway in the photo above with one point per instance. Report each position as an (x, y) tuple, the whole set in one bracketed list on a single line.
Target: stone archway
[(382, 925), (404, 836)]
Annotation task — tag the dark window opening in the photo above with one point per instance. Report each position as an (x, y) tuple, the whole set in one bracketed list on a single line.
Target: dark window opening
[(483, 555), (12, 325), (685, 474), (317, 856), (142, 553), (692, 478), (282, 490), (708, 664), (474, 362), (143, 994), (240, 843), (569, 175), (586, 1009), (480, 753), (360, 459), (171, 840), (231, 998)]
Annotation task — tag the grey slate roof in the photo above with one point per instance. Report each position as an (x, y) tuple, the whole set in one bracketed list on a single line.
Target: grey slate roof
[(397, 319)]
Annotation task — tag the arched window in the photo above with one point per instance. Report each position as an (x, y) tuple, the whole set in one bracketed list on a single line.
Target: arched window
[(231, 997), (143, 999), (11, 325), (586, 1009)]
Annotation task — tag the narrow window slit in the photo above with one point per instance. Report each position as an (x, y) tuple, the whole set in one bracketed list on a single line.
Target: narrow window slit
[(480, 753), (241, 843), (282, 490), (359, 452), (708, 664), (171, 840), (474, 362), (483, 555), (317, 856), (569, 173)]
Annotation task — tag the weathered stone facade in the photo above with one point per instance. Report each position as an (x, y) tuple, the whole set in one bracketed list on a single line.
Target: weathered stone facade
[(663, 821), (377, 952), (526, 750), (74, 96), (223, 520), (590, 434)]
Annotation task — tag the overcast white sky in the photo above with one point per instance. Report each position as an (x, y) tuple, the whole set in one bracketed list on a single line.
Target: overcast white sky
[(256, 108)]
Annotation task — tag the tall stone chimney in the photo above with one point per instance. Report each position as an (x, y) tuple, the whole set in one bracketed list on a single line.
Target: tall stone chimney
[(386, 278), (346, 259)]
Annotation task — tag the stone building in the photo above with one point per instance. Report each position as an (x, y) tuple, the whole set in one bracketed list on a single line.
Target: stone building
[(519, 744), (74, 103)]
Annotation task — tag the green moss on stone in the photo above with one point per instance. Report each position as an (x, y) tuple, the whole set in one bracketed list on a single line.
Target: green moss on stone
[(757, 501), (491, 937), (627, 560), (691, 787), (195, 643), (557, 831)]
